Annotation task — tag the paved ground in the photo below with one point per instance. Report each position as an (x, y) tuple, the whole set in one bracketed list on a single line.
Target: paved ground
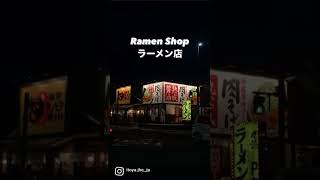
[(166, 155)]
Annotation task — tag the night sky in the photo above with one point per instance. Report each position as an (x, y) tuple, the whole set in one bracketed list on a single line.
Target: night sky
[(267, 38), (59, 38), (44, 40), (159, 20)]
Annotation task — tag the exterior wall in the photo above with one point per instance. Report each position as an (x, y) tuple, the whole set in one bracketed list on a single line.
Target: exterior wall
[(231, 101)]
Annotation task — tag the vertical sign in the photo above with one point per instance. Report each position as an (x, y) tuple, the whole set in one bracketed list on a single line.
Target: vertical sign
[(214, 100), (246, 151), (231, 99), (186, 110), (157, 93), (182, 94), (171, 92)]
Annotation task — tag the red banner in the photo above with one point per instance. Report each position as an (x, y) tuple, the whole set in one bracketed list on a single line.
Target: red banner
[(214, 100), (171, 92)]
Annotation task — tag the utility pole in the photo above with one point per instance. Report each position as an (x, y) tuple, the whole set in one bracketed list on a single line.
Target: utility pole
[(198, 86), (281, 105)]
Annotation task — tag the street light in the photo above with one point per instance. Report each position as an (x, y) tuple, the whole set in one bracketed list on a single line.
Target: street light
[(199, 45), (198, 86)]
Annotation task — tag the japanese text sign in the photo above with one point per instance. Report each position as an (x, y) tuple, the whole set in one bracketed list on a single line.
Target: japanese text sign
[(42, 106), (160, 52), (152, 93), (171, 92), (246, 151), (186, 110), (123, 95)]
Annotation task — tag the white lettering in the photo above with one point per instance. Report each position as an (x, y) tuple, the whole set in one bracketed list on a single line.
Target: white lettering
[(135, 41), (131, 170), (173, 41), (168, 41)]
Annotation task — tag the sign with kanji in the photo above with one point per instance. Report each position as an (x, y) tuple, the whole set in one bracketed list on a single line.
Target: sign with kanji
[(42, 106), (152, 93), (171, 92), (246, 151), (213, 100), (183, 95), (176, 53), (165, 92), (186, 110), (231, 99), (123, 95)]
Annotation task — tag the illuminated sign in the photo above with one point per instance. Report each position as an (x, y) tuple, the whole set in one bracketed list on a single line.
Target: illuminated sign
[(186, 110), (152, 93), (233, 101), (42, 106), (123, 95), (172, 93), (246, 151), (177, 93)]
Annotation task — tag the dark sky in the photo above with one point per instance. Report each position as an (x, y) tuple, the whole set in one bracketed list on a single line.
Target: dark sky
[(58, 38), (46, 39), (270, 37), (159, 20), (51, 38)]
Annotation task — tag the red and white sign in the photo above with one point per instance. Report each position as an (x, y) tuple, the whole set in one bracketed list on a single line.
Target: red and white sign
[(183, 95), (171, 93), (232, 97), (213, 100), (152, 93)]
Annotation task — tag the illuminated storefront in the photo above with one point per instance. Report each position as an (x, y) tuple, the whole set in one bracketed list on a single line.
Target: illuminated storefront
[(161, 103), (47, 141)]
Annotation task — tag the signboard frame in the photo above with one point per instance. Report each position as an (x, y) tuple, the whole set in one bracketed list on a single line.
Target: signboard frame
[(35, 104)]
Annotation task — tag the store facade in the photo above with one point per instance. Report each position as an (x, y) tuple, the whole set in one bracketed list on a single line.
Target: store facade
[(54, 136), (245, 106), (160, 103)]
